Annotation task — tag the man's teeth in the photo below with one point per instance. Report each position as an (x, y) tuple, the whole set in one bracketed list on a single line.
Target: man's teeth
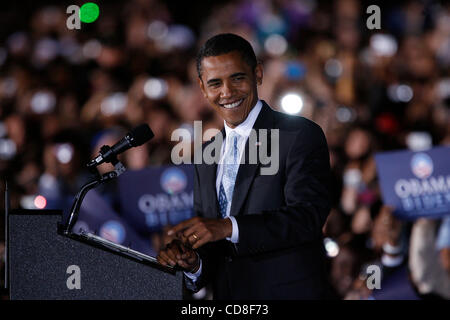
[(233, 105)]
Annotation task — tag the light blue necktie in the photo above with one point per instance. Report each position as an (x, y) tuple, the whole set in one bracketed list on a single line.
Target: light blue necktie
[(230, 169)]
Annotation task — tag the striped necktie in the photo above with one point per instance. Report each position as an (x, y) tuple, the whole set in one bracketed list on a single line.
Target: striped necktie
[(230, 169)]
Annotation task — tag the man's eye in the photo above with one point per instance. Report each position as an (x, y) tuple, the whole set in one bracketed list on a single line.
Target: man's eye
[(214, 85)]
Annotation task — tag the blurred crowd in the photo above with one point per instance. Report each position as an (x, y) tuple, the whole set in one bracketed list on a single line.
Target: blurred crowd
[(65, 93)]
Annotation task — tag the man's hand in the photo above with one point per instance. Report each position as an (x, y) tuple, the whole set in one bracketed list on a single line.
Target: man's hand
[(176, 253), (199, 231)]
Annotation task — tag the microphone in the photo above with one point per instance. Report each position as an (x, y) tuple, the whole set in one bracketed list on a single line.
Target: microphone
[(136, 137)]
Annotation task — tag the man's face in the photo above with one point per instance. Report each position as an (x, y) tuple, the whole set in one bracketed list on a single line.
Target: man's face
[(230, 86)]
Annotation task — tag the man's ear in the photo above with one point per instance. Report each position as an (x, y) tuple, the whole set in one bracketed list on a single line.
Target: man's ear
[(202, 86), (259, 72)]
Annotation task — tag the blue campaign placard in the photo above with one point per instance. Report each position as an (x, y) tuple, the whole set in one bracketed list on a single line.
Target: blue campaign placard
[(139, 204), (97, 216), (157, 196), (416, 184)]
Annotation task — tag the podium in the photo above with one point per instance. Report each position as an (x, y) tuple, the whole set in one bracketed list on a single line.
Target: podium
[(45, 264)]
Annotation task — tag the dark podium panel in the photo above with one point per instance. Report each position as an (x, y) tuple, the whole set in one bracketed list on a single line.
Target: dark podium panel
[(46, 265)]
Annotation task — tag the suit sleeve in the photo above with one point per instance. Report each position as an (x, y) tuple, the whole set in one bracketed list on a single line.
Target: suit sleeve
[(307, 201), (205, 252)]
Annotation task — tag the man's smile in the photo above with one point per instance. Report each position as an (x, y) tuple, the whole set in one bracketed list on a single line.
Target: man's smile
[(229, 84), (232, 105)]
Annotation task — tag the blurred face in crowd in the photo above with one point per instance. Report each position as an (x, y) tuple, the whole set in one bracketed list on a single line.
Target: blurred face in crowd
[(230, 86), (357, 144), (342, 270)]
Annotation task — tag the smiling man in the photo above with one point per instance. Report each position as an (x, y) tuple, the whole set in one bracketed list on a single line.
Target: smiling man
[(254, 236), (229, 83)]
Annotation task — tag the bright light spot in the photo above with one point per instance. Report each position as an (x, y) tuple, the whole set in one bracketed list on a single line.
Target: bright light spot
[(419, 141), (400, 93), (404, 93), (383, 45), (276, 45), (92, 49), (7, 149), (27, 202), (331, 247), (344, 114), (200, 295), (43, 102), (333, 68), (46, 49), (443, 88), (157, 30), (292, 103), (47, 181), (114, 104), (352, 178), (64, 153), (155, 88), (178, 37), (40, 202)]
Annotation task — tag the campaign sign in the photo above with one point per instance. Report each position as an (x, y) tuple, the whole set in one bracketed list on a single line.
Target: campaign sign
[(157, 196), (416, 184)]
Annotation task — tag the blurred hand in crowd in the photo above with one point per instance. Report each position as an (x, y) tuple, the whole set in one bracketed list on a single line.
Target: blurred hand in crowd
[(386, 228)]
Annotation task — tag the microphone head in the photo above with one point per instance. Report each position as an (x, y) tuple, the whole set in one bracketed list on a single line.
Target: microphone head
[(140, 135)]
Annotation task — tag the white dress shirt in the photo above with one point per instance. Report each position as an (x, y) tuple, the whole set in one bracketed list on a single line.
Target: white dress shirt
[(243, 130)]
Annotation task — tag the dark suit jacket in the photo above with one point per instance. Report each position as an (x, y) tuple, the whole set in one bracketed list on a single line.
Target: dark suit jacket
[(280, 217)]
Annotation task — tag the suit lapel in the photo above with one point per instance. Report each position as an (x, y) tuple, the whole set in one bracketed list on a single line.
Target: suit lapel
[(210, 177), (247, 171)]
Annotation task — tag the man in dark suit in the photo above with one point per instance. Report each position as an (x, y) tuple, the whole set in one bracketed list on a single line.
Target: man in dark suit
[(255, 235)]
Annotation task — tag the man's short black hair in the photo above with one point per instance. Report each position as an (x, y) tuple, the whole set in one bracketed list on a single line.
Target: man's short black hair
[(224, 43)]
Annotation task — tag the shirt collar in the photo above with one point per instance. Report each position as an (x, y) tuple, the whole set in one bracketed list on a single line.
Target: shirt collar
[(246, 126)]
